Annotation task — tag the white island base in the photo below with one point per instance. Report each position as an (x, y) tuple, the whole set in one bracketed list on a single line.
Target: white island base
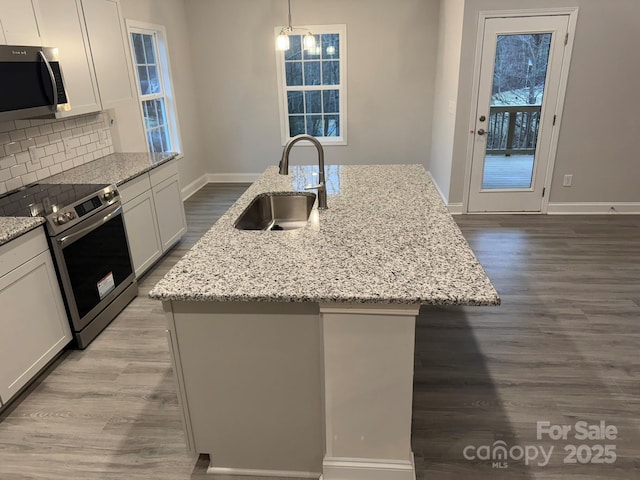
[(296, 389)]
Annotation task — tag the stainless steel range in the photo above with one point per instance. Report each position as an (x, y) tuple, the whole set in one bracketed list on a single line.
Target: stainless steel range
[(89, 243)]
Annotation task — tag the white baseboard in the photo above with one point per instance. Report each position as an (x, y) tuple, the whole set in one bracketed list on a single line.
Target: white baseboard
[(194, 186), (366, 469), (232, 177), (594, 208), (454, 208), (261, 473)]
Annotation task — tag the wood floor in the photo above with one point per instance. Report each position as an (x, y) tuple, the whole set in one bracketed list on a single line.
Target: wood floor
[(563, 347)]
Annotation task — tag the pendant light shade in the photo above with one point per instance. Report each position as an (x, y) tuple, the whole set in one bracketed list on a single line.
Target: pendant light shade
[(282, 40), (309, 42)]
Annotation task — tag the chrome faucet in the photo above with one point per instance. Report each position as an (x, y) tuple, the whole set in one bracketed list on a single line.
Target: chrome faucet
[(284, 166)]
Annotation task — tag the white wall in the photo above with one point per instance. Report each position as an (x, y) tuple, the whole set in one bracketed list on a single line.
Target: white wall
[(597, 140), (391, 76), (446, 92), (129, 133)]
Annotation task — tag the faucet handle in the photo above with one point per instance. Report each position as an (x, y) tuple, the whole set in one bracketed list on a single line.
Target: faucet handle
[(320, 186)]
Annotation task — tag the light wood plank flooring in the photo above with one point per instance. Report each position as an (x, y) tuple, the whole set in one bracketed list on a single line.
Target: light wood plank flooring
[(562, 347)]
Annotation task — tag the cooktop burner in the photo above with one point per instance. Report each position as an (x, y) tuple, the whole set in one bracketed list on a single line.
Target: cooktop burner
[(42, 199)]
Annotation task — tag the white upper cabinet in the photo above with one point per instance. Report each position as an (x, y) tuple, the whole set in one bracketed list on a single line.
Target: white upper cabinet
[(109, 51), (62, 26), (19, 26)]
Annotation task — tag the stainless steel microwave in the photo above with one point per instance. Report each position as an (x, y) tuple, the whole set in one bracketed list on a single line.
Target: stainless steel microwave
[(31, 83)]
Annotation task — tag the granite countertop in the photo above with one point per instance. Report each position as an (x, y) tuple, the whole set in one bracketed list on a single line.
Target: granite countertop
[(116, 168), (385, 238), (13, 227)]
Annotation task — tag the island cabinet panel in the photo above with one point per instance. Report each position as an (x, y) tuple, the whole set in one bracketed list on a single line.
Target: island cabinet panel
[(62, 25), (109, 50), (33, 325), (19, 24), (250, 377), (368, 391)]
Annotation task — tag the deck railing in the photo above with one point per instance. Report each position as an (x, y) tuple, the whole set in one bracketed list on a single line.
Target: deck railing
[(513, 129)]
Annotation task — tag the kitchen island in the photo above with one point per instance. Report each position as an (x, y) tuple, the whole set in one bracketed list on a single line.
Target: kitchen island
[(293, 350)]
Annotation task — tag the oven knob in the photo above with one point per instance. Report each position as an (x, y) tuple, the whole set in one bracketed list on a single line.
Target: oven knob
[(70, 215), (107, 196), (61, 219)]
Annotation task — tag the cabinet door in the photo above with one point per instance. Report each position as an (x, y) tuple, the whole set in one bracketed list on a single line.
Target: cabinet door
[(108, 48), (142, 232), (19, 24), (171, 220), (62, 26), (33, 324)]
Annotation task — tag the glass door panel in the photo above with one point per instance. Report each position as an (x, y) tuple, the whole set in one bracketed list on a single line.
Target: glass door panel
[(519, 77)]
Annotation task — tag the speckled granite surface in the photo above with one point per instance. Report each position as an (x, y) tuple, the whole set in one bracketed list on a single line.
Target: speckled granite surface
[(13, 227), (116, 168), (386, 238)]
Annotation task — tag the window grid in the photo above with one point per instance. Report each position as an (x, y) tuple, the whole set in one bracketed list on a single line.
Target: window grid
[(152, 95), (320, 74)]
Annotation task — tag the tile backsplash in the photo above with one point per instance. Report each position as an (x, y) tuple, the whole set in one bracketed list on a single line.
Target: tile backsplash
[(31, 150)]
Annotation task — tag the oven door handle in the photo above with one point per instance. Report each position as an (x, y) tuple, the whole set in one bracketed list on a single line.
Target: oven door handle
[(74, 236)]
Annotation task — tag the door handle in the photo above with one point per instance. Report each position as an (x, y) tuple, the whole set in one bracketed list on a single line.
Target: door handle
[(481, 131)]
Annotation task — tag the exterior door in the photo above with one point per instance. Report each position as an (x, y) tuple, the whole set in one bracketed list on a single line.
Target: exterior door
[(518, 92)]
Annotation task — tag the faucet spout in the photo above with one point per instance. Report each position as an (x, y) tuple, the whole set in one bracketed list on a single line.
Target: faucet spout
[(284, 166)]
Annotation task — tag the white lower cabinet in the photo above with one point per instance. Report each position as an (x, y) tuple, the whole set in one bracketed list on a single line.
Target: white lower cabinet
[(153, 214), (33, 325), (171, 220), (142, 232)]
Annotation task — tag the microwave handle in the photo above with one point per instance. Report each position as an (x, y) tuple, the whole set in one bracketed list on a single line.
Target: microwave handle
[(54, 84)]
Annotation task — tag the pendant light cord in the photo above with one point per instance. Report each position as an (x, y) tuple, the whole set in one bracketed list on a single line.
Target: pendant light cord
[(290, 27)]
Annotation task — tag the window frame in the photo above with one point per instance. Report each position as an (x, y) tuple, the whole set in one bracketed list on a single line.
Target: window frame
[(341, 30), (163, 63)]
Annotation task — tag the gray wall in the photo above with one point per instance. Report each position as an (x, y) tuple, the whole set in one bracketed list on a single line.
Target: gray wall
[(597, 140), (391, 75), (129, 133), (446, 92)]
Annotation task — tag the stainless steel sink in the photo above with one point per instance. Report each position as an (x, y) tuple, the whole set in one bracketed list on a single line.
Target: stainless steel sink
[(277, 211)]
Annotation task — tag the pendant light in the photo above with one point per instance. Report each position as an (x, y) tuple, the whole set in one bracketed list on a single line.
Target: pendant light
[(282, 40)]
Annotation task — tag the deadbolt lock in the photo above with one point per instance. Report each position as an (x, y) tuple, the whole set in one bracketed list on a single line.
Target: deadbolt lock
[(482, 118)]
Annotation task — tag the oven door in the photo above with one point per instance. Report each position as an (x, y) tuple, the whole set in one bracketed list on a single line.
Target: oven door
[(94, 264)]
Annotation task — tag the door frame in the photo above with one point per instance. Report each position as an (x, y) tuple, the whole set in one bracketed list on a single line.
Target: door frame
[(572, 13)]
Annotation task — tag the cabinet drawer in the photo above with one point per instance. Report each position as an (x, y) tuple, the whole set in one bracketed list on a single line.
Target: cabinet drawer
[(22, 249), (163, 172), (134, 188)]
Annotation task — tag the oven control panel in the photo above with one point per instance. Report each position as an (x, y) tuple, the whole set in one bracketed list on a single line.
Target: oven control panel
[(73, 213), (88, 206)]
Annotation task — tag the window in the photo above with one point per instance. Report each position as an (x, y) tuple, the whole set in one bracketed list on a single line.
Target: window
[(151, 65), (312, 85)]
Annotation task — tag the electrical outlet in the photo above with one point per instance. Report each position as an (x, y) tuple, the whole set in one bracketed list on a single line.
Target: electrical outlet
[(33, 154), (568, 180)]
